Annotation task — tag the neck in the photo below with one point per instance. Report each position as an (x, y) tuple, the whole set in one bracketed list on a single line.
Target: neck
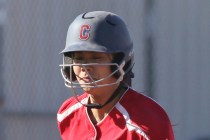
[(97, 114), (101, 95)]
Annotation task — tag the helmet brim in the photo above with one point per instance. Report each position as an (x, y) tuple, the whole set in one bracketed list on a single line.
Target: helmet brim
[(89, 47)]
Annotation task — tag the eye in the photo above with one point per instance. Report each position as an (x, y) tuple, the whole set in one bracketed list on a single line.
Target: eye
[(97, 58), (78, 59)]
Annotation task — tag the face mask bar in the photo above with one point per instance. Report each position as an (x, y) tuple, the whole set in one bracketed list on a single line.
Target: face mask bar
[(94, 83), (74, 85)]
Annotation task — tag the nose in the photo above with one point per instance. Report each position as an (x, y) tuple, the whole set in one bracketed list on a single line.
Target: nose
[(87, 68)]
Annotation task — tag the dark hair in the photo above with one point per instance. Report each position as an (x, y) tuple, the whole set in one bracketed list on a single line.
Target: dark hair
[(127, 79)]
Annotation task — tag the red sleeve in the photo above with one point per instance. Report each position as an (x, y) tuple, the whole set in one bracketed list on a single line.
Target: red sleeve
[(149, 116)]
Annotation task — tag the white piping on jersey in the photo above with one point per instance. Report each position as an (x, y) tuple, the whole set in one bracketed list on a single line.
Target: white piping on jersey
[(63, 115), (129, 125)]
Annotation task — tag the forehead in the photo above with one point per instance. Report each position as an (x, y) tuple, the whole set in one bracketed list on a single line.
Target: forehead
[(88, 53)]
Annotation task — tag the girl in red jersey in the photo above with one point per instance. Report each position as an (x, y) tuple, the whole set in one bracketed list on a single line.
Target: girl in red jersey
[(98, 58)]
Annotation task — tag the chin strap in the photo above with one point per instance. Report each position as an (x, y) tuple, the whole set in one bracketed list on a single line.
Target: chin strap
[(121, 88)]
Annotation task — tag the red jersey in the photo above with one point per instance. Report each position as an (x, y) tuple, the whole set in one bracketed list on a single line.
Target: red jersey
[(134, 117)]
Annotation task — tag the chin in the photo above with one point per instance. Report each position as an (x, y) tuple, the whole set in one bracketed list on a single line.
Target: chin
[(89, 90), (86, 88)]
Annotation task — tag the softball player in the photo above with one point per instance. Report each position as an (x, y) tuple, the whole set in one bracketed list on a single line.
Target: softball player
[(98, 58)]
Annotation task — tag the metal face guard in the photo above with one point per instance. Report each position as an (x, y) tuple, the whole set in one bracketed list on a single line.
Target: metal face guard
[(94, 83)]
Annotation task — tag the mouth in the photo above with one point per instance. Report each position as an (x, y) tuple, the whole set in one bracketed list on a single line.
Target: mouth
[(87, 79)]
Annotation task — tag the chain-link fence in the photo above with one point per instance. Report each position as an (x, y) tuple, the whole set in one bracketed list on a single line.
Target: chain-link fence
[(33, 90)]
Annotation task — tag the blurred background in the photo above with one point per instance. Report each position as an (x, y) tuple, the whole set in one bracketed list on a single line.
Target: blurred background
[(172, 61)]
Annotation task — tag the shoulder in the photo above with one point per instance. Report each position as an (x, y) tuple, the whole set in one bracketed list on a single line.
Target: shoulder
[(147, 114), (141, 103), (69, 106)]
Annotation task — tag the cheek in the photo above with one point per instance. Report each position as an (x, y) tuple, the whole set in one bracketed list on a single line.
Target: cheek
[(76, 70), (106, 70)]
